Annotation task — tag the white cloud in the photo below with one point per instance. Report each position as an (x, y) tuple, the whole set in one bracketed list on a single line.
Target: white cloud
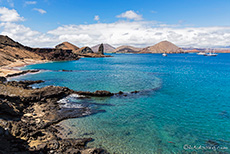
[(135, 33), (96, 18), (142, 34), (26, 36), (130, 15), (40, 10), (30, 3), (7, 15)]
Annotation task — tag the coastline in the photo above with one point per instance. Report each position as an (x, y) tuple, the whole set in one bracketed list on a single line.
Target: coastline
[(29, 117), (13, 68), (26, 123)]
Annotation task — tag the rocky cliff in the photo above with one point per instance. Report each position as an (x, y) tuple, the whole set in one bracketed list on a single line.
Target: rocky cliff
[(107, 48), (101, 49), (28, 119)]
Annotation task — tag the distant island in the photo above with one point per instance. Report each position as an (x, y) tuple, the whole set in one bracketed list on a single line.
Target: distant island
[(28, 115), (14, 54)]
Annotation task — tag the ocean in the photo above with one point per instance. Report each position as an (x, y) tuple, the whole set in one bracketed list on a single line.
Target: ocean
[(183, 104)]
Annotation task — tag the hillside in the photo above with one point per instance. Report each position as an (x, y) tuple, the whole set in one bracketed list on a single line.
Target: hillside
[(11, 51), (66, 46), (83, 50), (162, 47), (127, 49), (107, 48)]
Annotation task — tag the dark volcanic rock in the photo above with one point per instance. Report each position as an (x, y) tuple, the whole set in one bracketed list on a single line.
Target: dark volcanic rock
[(8, 111), (55, 54), (2, 79), (31, 114), (23, 84), (101, 49), (83, 50), (98, 93), (134, 92), (11, 144), (22, 73)]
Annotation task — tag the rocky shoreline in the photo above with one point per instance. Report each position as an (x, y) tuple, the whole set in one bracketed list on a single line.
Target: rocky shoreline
[(29, 117), (14, 54)]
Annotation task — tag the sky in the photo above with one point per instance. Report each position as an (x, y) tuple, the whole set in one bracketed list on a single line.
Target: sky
[(139, 23)]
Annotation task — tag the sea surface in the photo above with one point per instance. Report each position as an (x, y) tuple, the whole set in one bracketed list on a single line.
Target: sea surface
[(183, 104)]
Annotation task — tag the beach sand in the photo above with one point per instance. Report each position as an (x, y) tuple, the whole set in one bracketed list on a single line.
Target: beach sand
[(15, 66)]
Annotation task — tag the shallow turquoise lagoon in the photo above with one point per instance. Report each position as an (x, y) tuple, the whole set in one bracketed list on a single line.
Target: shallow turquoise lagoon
[(184, 101)]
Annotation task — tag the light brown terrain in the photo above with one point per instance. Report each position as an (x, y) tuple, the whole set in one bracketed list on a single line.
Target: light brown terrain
[(127, 49), (73, 48), (66, 46), (162, 47), (14, 54)]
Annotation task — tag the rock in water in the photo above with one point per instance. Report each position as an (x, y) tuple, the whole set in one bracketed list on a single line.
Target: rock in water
[(107, 48), (101, 49), (2, 79)]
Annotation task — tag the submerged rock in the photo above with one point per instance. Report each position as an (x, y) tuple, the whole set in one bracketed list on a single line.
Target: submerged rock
[(22, 73), (134, 92), (23, 84), (98, 93)]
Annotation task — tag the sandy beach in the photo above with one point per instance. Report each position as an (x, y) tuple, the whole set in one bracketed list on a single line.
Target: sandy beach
[(15, 66)]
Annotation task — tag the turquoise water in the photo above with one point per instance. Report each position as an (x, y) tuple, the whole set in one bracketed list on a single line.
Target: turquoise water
[(184, 101)]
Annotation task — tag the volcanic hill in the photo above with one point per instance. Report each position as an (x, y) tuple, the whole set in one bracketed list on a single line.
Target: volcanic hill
[(127, 49), (162, 47)]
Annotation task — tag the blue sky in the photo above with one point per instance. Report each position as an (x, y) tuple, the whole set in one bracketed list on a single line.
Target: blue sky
[(82, 21)]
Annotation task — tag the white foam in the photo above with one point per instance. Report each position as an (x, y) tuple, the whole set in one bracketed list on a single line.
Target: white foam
[(75, 96), (76, 106), (65, 102)]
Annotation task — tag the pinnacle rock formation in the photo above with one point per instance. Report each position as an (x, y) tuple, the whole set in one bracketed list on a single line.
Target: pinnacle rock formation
[(101, 49)]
